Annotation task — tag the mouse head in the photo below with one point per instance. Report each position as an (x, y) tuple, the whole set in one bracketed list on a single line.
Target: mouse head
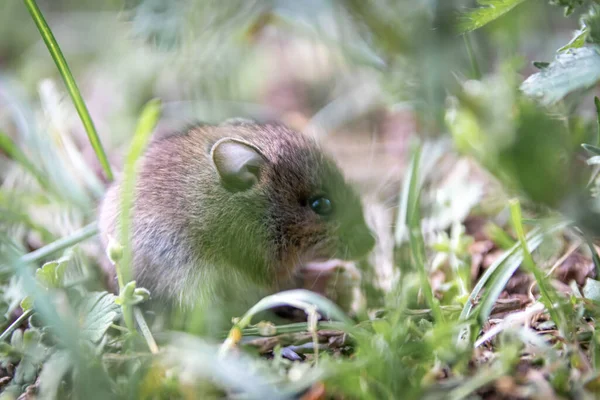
[(309, 210)]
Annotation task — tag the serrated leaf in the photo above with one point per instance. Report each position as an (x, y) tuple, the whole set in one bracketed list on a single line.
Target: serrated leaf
[(591, 290), (490, 10), (96, 313), (51, 274), (570, 71)]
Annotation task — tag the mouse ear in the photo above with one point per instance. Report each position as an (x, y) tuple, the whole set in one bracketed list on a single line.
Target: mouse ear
[(238, 163)]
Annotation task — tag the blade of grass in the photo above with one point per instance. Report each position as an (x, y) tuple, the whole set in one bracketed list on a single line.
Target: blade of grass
[(597, 104), (146, 124), (417, 246), (548, 296), (65, 72), (475, 70), (505, 266)]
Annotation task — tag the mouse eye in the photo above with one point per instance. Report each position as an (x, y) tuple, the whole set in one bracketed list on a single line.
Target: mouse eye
[(321, 205)]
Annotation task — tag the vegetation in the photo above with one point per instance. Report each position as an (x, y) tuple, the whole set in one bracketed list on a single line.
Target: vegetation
[(490, 287)]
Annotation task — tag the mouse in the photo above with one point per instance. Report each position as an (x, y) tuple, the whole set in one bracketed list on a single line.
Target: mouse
[(220, 210)]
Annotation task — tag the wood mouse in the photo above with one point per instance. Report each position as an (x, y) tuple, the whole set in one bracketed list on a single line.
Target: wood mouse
[(222, 207)]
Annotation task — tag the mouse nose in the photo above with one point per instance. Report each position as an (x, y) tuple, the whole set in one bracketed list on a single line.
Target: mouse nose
[(363, 242)]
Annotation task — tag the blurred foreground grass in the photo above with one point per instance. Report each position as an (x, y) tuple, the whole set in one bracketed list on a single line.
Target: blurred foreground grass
[(462, 123)]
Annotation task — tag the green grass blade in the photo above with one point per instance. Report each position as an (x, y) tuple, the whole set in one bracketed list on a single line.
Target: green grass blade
[(475, 70), (146, 124), (490, 10), (413, 222), (65, 72), (597, 104), (548, 295), (502, 269)]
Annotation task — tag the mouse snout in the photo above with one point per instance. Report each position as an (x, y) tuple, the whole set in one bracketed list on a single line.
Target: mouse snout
[(362, 241)]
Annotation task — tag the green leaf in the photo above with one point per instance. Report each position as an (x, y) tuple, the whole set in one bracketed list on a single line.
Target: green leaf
[(27, 303), (130, 295), (591, 290), (96, 313), (51, 274), (572, 70), (577, 41), (490, 10)]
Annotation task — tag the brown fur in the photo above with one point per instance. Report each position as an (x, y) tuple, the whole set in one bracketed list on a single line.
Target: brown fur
[(193, 240)]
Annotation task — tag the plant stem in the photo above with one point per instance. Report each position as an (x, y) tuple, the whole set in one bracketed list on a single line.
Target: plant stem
[(139, 318), (78, 236), (15, 325), (72, 88)]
